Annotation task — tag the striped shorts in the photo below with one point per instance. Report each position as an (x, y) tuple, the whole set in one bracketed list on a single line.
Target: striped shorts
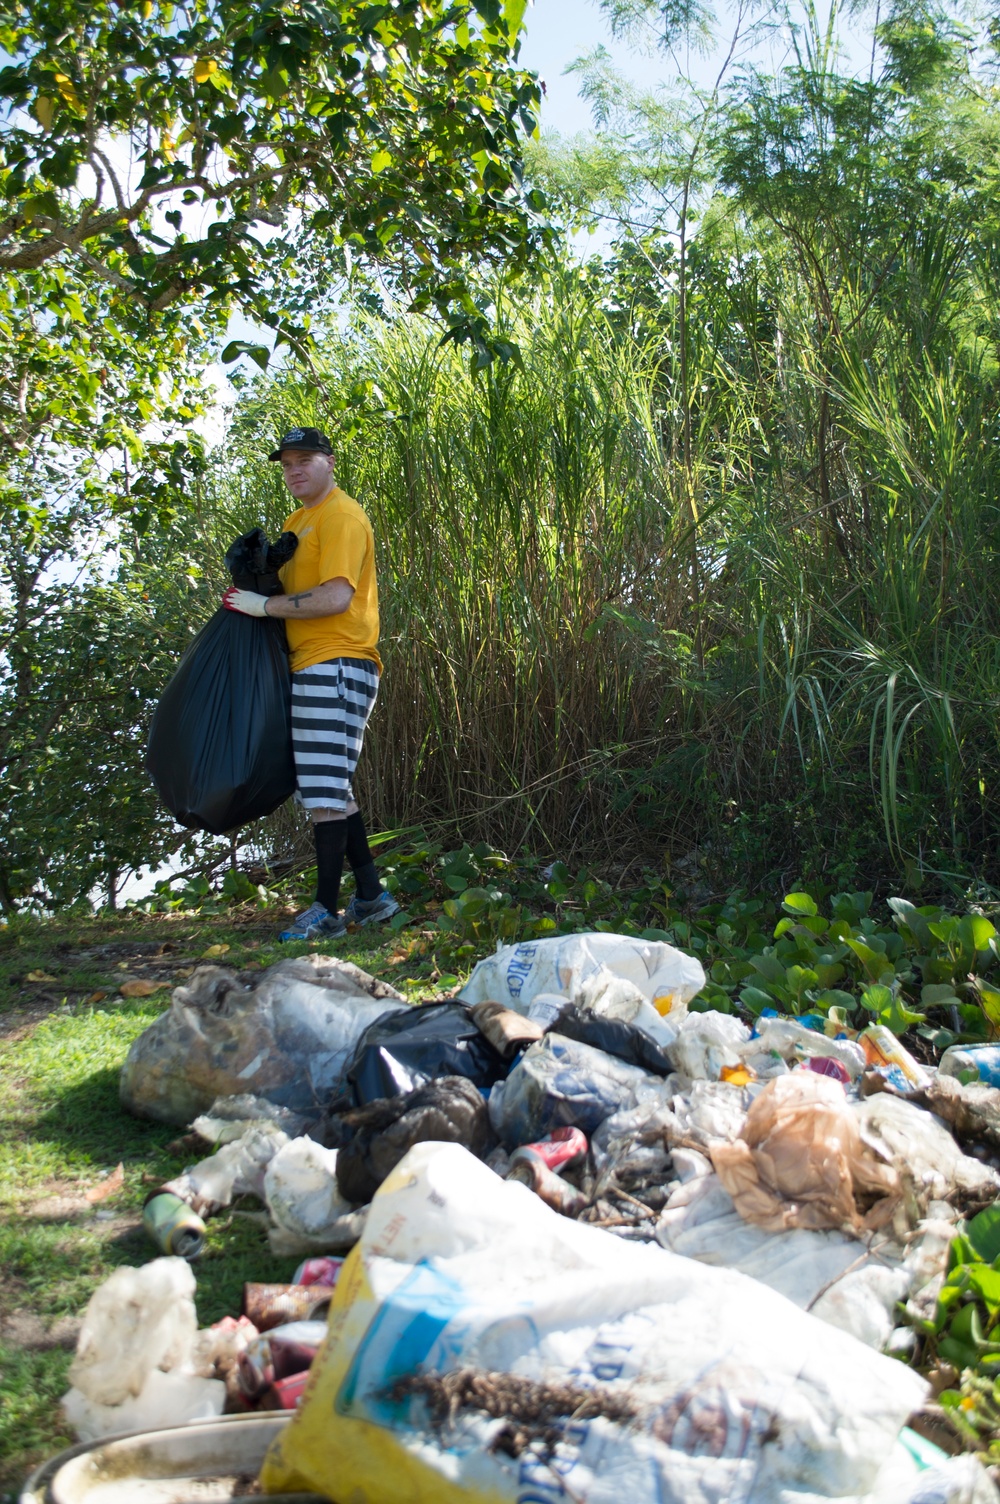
[(331, 703)]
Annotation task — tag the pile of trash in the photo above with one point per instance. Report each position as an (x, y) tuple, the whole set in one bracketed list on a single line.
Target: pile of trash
[(593, 1238)]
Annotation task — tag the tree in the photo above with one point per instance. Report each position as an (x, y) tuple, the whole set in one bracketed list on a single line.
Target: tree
[(217, 151)]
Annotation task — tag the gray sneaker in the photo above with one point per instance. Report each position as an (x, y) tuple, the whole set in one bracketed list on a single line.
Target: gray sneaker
[(375, 911), (315, 923)]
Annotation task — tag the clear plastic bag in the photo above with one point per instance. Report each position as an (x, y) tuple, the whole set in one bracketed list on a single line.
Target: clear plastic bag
[(561, 1083)]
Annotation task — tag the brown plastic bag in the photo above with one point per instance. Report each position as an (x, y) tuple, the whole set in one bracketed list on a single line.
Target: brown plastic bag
[(800, 1160)]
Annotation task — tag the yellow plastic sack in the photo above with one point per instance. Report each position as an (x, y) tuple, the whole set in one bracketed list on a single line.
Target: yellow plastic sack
[(657, 1379)]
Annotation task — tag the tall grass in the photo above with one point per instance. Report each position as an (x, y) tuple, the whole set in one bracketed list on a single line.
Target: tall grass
[(581, 662)]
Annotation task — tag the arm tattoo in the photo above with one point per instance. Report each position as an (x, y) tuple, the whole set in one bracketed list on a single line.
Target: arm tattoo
[(295, 599)]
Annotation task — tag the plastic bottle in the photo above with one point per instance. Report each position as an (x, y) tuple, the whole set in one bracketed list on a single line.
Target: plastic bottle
[(882, 1048), (978, 1062)]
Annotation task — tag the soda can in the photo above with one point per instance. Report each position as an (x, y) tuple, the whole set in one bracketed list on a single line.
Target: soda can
[(173, 1226), (562, 1147), (969, 1063)]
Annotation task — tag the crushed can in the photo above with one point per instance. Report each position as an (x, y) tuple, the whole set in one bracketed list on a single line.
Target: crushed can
[(564, 1146), (173, 1226)]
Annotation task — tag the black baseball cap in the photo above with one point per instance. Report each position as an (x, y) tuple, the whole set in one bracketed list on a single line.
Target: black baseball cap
[(303, 438)]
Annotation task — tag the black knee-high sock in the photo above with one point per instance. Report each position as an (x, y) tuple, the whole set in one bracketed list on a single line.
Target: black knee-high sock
[(358, 854), (331, 845)]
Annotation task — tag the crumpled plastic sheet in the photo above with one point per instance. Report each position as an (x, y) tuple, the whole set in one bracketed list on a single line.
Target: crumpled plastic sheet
[(852, 1283), (800, 1160), (288, 1038)]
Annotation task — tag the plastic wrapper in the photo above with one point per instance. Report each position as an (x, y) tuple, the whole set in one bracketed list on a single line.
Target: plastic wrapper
[(515, 974), (228, 1119), (398, 1054), (449, 1110), (137, 1353), (800, 1160), (287, 1038), (220, 742), (664, 1381), (560, 1083)]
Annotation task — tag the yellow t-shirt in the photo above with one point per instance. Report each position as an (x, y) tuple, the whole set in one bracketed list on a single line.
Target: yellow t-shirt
[(335, 542)]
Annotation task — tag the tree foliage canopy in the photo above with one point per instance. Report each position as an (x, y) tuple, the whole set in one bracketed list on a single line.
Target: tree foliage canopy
[(215, 149)]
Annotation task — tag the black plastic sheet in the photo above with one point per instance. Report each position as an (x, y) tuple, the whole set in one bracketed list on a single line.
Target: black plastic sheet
[(614, 1037), (401, 1052), (220, 743)]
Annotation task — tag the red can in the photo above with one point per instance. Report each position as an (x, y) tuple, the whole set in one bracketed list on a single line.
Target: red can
[(564, 1146)]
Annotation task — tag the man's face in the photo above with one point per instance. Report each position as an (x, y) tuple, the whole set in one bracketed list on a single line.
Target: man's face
[(307, 474)]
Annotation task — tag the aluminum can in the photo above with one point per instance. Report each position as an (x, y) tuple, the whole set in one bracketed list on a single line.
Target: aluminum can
[(173, 1226), (562, 1147), (531, 1170)]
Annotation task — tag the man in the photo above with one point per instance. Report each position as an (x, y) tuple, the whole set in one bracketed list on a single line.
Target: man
[(330, 610)]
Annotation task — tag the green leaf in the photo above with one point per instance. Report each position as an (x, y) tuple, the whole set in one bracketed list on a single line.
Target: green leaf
[(983, 1232), (799, 903), (907, 914), (874, 962), (755, 1000), (937, 995), (990, 1000), (381, 160)]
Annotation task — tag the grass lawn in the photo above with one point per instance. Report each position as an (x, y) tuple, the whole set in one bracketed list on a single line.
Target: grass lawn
[(65, 1028)]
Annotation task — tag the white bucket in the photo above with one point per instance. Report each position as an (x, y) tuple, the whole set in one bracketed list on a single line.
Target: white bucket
[(205, 1462)]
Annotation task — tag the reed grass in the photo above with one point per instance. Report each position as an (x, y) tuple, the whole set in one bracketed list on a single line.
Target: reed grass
[(589, 654)]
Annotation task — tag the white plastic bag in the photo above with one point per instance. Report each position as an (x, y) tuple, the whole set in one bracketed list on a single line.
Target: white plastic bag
[(300, 1188), (734, 1395), (136, 1354), (515, 974), (559, 1083)]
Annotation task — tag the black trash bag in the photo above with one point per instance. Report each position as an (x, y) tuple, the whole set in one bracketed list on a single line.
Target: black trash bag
[(220, 743), (449, 1111), (613, 1036), (396, 1054)]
